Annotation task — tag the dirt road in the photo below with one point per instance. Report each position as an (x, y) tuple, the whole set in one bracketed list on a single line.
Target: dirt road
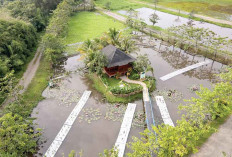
[(27, 76), (31, 70)]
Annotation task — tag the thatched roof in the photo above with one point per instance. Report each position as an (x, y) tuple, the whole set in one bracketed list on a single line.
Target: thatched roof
[(116, 57)]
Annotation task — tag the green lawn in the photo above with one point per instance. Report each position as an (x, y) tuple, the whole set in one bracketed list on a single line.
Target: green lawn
[(89, 25)]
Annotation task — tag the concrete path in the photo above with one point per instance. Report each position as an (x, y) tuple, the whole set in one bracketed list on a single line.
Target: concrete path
[(164, 110), (183, 70), (67, 126), (145, 89), (125, 129), (150, 120), (219, 142), (187, 13)]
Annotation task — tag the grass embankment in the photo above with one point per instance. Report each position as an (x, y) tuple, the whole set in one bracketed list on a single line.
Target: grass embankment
[(100, 87), (33, 94), (187, 16), (113, 82), (79, 32)]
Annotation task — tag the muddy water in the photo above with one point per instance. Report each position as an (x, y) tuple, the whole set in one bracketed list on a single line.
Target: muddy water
[(169, 61), (168, 20), (92, 138)]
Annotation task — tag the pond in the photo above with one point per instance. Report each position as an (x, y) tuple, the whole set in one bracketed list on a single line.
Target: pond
[(169, 20), (98, 124)]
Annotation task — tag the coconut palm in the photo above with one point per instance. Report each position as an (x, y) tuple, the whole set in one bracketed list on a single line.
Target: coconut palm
[(114, 36), (87, 46), (128, 45)]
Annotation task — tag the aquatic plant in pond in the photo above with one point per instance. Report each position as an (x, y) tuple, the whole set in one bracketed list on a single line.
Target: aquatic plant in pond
[(90, 115), (63, 94), (115, 112), (170, 94)]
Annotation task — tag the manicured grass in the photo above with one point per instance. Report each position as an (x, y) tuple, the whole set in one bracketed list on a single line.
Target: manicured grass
[(89, 25), (112, 82)]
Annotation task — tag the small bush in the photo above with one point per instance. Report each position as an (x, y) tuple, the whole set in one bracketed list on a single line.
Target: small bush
[(126, 89), (134, 76)]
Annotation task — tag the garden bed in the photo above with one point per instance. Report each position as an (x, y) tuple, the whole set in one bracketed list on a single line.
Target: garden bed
[(117, 91)]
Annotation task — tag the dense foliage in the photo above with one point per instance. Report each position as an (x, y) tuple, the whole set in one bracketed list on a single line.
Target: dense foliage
[(18, 38), (109, 153), (56, 31), (16, 136), (17, 43), (168, 141), (34, 11), (143, 64)]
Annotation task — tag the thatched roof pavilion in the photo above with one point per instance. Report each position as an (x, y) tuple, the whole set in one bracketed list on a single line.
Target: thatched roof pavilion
[(118, 61)]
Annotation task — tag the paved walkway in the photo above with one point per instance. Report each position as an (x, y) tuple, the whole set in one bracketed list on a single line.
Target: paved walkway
[(125, 129), (187, 13), (150, 120), (183, 70), (145, 89), (67, 126), (219, 142), (164, 110)]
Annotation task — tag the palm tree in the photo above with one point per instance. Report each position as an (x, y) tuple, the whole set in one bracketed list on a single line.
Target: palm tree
[(128, 45), (87, 46), (114, 36)]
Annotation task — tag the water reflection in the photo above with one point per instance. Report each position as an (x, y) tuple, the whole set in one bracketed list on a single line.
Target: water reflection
[(179, 59), (168, 20)]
